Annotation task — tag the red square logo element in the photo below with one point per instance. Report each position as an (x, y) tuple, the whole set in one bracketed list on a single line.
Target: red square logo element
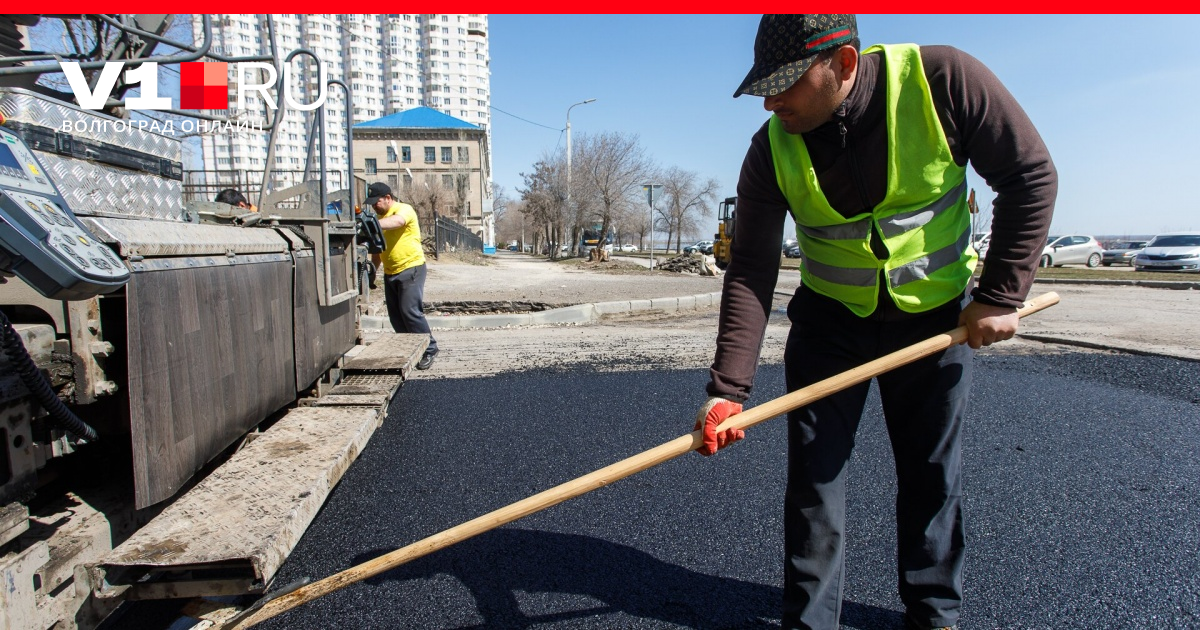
[(204, 85)]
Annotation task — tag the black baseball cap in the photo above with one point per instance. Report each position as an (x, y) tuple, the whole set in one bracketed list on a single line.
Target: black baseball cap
[(787, 45), (377, 190)]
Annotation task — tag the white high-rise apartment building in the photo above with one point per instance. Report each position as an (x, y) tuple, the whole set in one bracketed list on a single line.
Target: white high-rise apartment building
[(391, 63)]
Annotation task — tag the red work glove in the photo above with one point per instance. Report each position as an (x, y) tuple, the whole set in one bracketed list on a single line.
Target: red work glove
[(713, 413)]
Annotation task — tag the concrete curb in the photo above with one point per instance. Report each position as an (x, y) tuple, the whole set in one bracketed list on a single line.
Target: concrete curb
[(577, 314), (1150, 284), (1066, 341)]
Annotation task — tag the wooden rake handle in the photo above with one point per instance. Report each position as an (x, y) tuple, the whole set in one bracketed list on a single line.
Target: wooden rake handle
[(619, 470)]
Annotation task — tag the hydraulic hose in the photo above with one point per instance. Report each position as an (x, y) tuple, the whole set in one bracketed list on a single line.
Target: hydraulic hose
[(32, 377)]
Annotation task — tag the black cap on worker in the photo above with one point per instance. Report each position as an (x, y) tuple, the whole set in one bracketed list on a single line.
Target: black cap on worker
[(377, 190), (787, 45)]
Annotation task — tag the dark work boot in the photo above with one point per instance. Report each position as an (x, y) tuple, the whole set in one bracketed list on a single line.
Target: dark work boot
[(426, 361)]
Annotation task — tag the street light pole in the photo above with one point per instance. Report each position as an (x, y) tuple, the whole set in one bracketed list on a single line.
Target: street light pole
[(590, 100)]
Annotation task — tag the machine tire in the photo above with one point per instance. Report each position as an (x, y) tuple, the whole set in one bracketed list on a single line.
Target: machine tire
[(1093, 261), (1045, 262)]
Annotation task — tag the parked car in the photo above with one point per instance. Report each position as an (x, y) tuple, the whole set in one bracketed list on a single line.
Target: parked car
[(1176, 251), (792, 251), (1121, 253), (629, 248), (1075, 248), (704, 247), (981, 245)]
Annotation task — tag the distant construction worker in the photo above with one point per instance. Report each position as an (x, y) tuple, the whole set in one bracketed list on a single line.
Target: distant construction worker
[(234, 198), (403, 266), (868, 153)]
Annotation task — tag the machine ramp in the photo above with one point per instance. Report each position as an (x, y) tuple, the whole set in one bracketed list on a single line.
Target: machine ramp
[(230, 533)]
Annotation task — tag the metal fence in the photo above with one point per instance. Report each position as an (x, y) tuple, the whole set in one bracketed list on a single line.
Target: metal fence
[(450, 236), (203, 185)]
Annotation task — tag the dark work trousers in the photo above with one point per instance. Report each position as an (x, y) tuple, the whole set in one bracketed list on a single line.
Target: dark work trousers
[(923, 405), (403, 292)]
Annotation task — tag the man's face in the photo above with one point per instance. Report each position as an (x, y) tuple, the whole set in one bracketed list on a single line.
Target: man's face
[(811, 100), (383, 203)]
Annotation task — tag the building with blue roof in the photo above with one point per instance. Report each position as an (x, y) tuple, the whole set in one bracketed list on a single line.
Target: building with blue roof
[(433, 161)]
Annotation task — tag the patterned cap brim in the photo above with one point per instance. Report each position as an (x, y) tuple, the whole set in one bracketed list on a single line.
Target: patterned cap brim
[(777, 81)]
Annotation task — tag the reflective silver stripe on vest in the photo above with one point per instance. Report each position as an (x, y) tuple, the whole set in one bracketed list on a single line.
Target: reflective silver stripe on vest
[(900, 223), (856, 231), (920, 268), (848, 276)]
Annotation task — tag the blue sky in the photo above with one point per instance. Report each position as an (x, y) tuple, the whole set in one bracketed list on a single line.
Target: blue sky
[(1115, 98)]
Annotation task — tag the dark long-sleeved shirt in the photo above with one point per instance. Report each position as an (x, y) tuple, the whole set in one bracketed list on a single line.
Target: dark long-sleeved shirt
[(984, 125)]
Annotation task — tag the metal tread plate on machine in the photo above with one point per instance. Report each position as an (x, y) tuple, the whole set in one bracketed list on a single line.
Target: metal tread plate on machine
[(389, 354), (232, 532)]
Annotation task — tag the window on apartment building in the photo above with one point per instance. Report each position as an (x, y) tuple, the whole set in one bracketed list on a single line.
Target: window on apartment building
[(391, 181), (430, 155), (447, 154), (406, 154), (371, 166), (391, 155), (408, 180), (448, 182), (464, 182), (464, 154)]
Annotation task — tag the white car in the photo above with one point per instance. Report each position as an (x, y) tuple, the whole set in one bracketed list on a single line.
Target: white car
[(1062, 250), (629, 248), (1176, 251), (981, 245)]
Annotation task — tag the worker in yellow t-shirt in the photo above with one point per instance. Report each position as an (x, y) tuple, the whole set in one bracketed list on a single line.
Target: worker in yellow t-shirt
[(403, 266)]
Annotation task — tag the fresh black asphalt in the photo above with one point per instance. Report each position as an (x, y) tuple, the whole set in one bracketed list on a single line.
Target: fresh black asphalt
[(1082, 501)]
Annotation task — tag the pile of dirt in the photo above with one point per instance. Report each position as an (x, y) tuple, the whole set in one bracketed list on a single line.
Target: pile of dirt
[(487, 307), (691, 263)]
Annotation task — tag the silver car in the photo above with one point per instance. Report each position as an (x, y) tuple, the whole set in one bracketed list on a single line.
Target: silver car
[(1077, 249), (1122, 252), (1177, 251)]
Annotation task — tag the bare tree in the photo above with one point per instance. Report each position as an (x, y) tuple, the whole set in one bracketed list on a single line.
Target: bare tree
[(612, 168), (687, 203), (500, 203), (544, 197), (513, 224)]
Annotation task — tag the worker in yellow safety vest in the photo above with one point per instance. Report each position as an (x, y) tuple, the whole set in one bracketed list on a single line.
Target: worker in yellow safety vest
[(867, 151)]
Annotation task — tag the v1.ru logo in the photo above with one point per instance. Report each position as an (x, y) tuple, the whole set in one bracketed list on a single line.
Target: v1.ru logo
[(202, 85)]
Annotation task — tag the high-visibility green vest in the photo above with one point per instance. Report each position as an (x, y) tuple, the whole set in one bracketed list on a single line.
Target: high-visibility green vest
[(923, 219)]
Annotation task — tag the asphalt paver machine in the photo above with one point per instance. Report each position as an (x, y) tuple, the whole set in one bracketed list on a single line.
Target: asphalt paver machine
[(149, 334)]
